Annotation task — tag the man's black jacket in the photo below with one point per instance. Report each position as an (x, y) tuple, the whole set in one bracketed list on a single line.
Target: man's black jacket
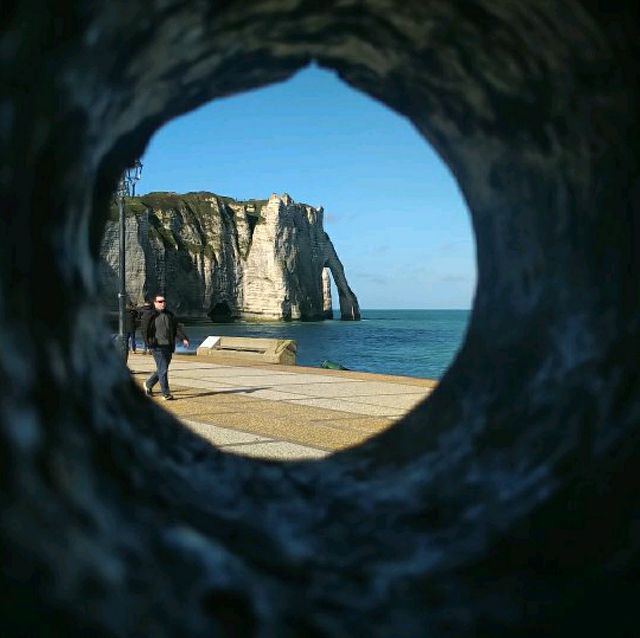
[(149, 329)]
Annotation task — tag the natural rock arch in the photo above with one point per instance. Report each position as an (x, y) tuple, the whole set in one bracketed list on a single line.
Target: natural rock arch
[(349, 307), (506, 504)]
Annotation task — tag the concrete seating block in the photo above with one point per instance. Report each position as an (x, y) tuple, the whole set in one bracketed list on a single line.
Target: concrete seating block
[(282, 351)]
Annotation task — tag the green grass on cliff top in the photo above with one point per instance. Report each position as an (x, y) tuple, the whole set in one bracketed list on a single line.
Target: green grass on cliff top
[(166, 200)]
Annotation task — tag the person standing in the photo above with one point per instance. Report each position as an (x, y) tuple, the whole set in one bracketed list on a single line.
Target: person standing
[(160, 329), (145, 309), (130, 325)]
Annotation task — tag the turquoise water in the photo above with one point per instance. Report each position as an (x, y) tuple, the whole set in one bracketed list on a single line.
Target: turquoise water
[(418, 343)]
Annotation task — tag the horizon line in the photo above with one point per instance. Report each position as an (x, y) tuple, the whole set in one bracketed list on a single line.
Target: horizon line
[(364, 309)]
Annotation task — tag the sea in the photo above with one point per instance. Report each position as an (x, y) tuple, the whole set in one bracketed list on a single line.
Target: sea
[(416, 343)]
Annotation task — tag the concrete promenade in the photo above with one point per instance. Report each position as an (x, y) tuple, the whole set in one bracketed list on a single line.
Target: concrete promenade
[(281, 412)]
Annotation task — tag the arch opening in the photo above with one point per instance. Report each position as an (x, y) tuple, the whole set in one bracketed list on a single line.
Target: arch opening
[(221, 313)]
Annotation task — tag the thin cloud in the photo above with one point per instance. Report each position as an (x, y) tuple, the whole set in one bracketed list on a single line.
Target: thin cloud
[(452, 245), (418, 271), (453, 279), (373, 278)]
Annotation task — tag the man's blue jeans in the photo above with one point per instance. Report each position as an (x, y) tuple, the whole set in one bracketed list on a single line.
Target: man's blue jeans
[(162, 356)]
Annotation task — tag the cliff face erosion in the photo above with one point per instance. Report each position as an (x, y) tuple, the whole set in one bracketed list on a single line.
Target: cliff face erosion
[(224, 259)]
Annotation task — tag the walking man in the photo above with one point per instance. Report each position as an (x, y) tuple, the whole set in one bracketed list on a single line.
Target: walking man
[(159, 331)]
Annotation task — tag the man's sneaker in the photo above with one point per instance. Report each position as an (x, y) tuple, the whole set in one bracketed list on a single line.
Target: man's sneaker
[(167, 397), (147, 390)]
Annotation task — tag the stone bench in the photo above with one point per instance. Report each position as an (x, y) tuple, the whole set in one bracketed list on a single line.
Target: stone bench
[(254, 349)]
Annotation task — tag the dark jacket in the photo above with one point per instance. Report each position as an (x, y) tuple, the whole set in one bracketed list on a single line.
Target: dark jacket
[(149, 329), (130, 320)]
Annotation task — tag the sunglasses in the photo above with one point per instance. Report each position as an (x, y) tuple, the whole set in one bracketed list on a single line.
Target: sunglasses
[(161, 301)]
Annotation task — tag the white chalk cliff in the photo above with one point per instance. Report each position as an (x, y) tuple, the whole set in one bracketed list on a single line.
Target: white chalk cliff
[(225, 259)]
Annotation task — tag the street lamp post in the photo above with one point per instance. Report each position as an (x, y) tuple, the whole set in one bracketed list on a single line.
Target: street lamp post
[(126, 188)]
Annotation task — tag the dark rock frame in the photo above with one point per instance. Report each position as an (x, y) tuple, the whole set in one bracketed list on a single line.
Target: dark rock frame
[(506, 505)]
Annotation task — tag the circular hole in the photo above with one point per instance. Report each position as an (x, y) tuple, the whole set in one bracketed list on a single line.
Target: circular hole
[(203, 231)]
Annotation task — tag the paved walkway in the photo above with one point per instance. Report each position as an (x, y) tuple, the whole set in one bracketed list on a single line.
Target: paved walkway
[(282, 412)]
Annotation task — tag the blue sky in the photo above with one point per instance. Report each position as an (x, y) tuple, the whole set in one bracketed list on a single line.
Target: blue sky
[(392, 208)]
